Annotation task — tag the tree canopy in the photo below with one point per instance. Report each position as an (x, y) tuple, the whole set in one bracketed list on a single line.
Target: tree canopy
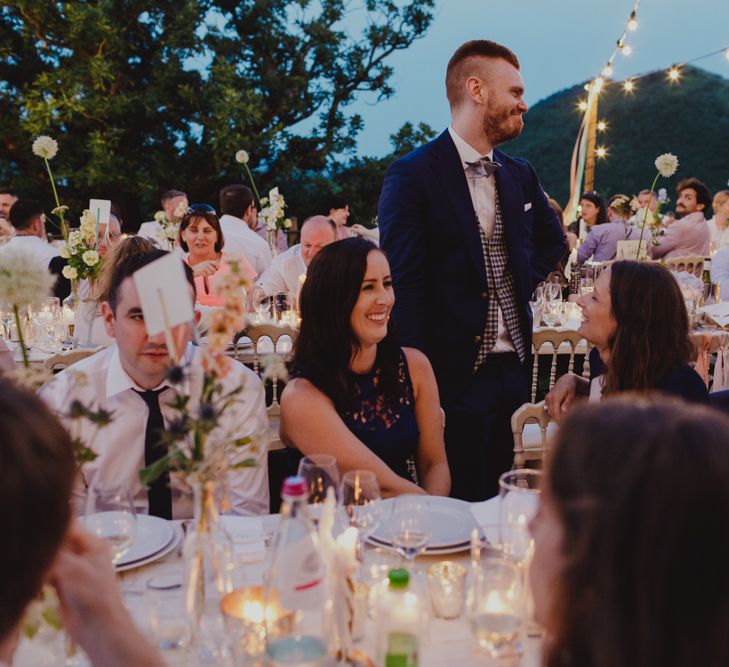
[(144, 96)]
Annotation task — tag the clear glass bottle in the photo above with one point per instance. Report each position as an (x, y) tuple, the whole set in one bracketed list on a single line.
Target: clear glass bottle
[(400, 622), (297, 583)]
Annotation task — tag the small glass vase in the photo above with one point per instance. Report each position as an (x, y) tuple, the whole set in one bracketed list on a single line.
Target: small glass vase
[(207, 555), (272, 239), (70, 303)]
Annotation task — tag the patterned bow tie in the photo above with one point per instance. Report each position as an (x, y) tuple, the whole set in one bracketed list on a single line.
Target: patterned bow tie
[(483, 167)]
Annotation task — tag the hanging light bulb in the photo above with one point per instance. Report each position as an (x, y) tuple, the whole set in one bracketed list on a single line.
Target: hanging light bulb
[(601, 152), (608, 69), (582, 106), (627, 50), (601, 126), (597, 84), (632, 22), (587, 87), (673, 74), (628, 86)]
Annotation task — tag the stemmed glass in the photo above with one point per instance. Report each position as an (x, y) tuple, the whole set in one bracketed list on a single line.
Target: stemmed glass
[(110, 514), (321, 473), (261, 304), (362, 502), (410, 526), (536, 303)]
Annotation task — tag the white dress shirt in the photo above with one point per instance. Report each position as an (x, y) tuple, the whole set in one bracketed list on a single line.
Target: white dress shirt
[(283, 274), (100, 381), (719, 237), (483, 197), (240, 239), (35, 245)]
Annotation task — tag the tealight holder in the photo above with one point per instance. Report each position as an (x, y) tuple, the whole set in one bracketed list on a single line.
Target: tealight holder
[(447, 584)]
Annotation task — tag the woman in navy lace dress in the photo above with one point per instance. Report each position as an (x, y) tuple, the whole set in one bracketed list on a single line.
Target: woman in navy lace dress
[(356, 394)]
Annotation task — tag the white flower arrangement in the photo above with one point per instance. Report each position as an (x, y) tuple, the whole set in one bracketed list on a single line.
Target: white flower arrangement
[(80, 250), (272, 213), (168, 230), (667, 164), (45, 147)]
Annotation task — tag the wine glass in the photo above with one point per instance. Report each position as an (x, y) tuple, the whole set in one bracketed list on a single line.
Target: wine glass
[(553, 292), (536, 303), (321, 474), (261, 303), (110, 514), (519, 492), (410, 526), (362, 502)]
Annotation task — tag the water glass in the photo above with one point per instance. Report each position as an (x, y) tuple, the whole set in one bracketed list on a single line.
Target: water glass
[(362, 502), (281, 307), (321, 474), (110, 514), (519, 492), (496, 608), (166, 611), (409, 526), (552, 313)]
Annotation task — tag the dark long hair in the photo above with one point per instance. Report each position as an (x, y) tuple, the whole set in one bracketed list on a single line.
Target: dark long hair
[(595, 198), (326, 343), (652, 333), (641, 490)]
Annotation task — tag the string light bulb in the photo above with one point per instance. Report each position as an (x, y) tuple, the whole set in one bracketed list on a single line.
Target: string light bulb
[(632, 22), (627, 50), (628, 86), (582, 106), (601, 152), (597, 84), (608, 69), (673, 74), (601, 126)]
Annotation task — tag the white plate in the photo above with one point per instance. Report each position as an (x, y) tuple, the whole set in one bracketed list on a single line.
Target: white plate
[(429, 551), (451, 523), (177, 537), (153, 535)]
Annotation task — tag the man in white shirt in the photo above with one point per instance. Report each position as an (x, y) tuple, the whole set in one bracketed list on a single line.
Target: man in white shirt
[(26, 216), (172, 201), (238, 219), (288, 269), (121, 378)]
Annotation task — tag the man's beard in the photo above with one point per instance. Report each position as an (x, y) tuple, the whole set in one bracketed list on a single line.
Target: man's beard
[(497, 126)]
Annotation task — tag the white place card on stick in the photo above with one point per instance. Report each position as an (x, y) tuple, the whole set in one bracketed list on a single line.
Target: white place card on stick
[(164, 295), (100, 210)]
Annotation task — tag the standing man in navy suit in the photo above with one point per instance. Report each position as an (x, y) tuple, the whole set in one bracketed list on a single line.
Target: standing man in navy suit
[(469, 234)]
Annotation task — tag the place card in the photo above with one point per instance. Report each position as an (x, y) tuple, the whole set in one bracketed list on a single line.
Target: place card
[(101, 210)]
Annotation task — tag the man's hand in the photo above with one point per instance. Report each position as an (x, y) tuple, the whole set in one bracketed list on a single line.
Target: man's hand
[(91, 606), (560, 398)]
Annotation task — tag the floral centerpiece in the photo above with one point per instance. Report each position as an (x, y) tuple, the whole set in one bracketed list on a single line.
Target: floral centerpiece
[(200, 449), (666, 164), (80, 250), (46, 148), (169, 229)]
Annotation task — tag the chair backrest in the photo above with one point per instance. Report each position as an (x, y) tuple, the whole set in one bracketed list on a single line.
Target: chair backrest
[(529, 412), (557, 338), (689, 263), (62, 360)]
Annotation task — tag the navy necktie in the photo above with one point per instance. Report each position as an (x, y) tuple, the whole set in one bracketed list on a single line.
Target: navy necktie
[(159, 494), (483, 167)]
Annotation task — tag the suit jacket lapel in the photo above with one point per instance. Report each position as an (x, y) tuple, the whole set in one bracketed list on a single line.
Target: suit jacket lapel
[(449, 171), (510, 199)]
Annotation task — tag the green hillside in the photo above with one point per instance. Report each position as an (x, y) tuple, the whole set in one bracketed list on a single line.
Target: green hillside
[(689, 119)]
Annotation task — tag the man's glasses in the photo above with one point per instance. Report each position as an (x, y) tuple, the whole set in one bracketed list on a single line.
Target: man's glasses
[(200, 208)]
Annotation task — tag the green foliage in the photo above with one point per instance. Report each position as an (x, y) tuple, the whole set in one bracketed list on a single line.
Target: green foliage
[(143, 96), (690, 120)]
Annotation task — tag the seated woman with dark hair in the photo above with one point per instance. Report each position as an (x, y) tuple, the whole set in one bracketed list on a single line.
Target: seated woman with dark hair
[(356, 394), (636, 319), (630, 546)]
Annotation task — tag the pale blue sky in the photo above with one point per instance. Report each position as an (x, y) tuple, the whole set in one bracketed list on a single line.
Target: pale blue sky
[(559, 42)]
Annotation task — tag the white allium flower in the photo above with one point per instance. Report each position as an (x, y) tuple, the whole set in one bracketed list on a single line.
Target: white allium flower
[(69, 272), (160, 216), (45, 147), (662, 195), (90, 258), (24, 279), (60, 210), (241, 157), (65, 251), (667, 164)]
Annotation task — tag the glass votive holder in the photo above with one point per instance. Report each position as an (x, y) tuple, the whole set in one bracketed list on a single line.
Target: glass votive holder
[(447, 585)]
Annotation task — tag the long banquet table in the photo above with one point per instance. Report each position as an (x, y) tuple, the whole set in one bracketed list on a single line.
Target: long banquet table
[(449, 642)]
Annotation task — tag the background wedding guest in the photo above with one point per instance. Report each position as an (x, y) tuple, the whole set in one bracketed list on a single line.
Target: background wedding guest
[(592, 212), (636, 319), (287, 268), (40, 545), (174, 204), (356, 394), (339, 213), (601, 244), (202, 238), (629, 563), (130, 376), (646, 199), (463, 281), (7, 199), (719, 223), (239, 217), (28, 220), (689, 235)]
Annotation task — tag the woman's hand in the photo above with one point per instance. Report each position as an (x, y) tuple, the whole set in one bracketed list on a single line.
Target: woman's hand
[(205, 268), (560, 398)]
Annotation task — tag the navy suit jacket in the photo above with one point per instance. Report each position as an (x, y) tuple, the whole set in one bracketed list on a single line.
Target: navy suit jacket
[(429, 230)]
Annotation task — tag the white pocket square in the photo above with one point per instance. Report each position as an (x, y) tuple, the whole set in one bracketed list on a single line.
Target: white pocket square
[(527, 207)]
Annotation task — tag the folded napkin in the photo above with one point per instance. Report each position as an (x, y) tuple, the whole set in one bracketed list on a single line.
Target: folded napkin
[(718, 312), (247, 535), (486, 515)]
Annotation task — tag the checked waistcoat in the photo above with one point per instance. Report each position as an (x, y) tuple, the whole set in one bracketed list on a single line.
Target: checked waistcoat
[(501, 291)]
